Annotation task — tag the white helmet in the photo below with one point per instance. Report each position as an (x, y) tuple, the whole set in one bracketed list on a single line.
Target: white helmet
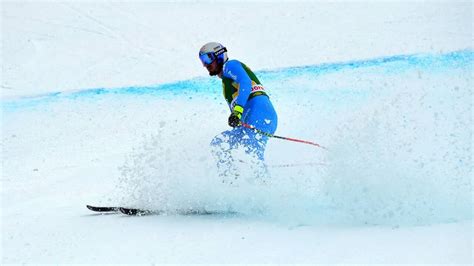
[(212, 51)]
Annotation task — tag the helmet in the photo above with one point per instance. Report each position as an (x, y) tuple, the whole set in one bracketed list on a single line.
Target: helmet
[(212, 51)]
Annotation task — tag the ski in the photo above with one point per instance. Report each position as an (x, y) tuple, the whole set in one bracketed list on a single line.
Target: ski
[(142, 212), (127, 211), (185, 212), (102, 209)]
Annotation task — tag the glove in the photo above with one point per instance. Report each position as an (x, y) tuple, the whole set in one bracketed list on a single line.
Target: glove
[(234, 118)]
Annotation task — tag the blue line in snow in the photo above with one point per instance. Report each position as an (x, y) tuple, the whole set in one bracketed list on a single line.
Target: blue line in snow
[(393, 64)]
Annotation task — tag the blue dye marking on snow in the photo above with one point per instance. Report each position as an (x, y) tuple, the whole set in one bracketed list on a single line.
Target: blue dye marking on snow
[(275, 79)]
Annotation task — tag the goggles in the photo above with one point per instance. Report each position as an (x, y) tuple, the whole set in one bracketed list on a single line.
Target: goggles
[(208, 58)]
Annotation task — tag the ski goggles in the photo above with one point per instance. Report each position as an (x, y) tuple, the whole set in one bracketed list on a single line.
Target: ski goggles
[(208, 58)]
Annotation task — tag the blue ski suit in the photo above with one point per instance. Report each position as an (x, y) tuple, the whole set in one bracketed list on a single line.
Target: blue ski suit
[(242, 87)]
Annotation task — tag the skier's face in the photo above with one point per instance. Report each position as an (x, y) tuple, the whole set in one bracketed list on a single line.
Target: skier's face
[(213, 68)]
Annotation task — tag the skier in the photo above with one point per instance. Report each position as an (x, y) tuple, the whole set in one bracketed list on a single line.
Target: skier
[(248, 103)]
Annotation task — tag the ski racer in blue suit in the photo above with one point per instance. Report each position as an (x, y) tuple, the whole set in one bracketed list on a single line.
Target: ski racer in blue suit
[(248, 103)]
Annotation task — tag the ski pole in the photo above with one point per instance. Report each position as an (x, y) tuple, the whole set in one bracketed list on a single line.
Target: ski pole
[(279, 137)]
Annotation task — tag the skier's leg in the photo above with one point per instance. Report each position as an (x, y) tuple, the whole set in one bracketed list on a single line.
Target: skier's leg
[(221, 148), (262, 116)]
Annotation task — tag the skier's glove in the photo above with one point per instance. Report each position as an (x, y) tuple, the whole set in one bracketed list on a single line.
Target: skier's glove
[(234, 118)]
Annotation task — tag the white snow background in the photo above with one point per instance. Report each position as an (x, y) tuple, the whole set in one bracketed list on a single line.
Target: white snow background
[(106, 103)]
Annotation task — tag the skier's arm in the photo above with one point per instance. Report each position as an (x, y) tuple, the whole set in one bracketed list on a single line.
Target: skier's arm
[(236, 72)]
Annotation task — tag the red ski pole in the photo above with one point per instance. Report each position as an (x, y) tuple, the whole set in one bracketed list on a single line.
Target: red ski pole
[(279, 137)]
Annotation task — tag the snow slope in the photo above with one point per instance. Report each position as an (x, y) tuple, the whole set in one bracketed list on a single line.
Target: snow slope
[(64, 45), (106, 103)]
